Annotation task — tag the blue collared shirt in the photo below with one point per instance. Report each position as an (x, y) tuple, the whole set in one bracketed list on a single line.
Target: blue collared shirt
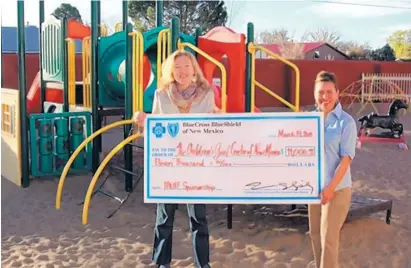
[(339, 140)]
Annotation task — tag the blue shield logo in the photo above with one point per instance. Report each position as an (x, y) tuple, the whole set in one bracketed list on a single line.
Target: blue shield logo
[(158, 130), (173, 129)]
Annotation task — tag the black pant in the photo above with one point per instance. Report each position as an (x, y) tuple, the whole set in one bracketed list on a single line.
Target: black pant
[(163, 233)]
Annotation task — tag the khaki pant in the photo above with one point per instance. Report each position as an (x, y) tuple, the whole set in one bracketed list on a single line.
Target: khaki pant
[(325, 223)]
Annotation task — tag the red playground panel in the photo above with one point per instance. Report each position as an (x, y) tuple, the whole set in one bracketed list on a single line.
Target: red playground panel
[(33, 96), (218, 98), (218, 42), (77, 30)]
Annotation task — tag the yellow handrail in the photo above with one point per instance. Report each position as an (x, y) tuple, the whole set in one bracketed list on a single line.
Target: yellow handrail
[(86, 60), (78, 150), (219, 65), (163, 50), (103, 30), (252, 49), (100, 170), (137, 70), (118, 27), (71, 70)]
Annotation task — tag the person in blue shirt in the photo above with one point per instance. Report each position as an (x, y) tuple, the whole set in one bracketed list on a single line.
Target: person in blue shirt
[(340, 135)]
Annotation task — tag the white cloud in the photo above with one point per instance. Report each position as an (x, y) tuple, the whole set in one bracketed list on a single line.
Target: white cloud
[(346, 10)]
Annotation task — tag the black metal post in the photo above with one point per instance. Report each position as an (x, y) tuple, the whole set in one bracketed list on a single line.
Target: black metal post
[(99, 139), (21, 40), (159, 12), (125, 14), (65, 65), (42, 86), (175, 33), (250, 39), (94, 84), (128, 153)]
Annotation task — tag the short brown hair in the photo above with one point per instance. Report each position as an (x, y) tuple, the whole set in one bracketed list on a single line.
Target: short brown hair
[(325, 76)]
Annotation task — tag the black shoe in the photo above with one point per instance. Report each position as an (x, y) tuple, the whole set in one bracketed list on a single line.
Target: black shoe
[(206, 266), (164, 266)]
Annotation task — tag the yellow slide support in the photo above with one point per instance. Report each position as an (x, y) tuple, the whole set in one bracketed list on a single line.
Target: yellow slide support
[(252, 48), (78, 150), (163, 50), (137, 69), (219, 65), (100, 170), (71, 65)]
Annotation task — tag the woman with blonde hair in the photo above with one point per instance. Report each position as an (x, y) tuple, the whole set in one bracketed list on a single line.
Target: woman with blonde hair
[(182, 89)]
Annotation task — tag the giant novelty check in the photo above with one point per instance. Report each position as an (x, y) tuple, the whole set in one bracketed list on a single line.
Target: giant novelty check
[(270, 158)]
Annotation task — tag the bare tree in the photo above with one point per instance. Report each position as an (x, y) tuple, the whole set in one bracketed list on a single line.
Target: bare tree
[(274, 36), (355, 50), (325, 35), (289, 48)]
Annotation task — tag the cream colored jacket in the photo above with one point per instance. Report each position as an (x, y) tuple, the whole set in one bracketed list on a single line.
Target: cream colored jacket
[(162, 104)]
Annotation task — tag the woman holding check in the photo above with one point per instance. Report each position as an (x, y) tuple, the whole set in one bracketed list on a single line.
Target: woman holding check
[(182, 89), (340, 134)]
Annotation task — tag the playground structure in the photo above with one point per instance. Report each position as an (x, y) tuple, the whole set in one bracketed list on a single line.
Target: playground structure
[(64, 128), (127, 66)]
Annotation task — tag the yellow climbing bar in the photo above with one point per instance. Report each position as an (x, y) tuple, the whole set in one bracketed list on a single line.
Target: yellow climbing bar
[(103, 30), (118, 27), (252, 48), (163, 49), (219, 65), (71, 70), (86, 61), (78, 150), (100, 170), (137, 70)]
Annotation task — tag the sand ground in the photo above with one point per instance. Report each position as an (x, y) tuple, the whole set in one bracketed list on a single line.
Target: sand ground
[(35, 234)]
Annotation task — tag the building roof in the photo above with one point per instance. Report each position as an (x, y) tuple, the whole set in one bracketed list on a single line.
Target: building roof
[(9, 40), (308, 47)]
